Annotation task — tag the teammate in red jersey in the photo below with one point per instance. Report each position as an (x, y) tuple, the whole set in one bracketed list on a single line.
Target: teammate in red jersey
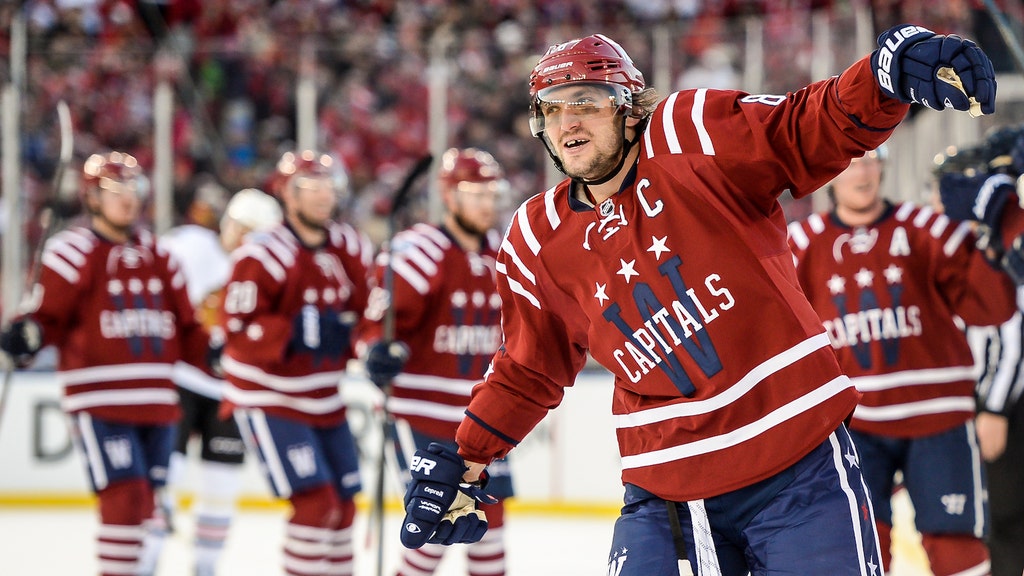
[(664, 256), (447, 314), (203, 254), (889, 281), (115, 306), (294, 294)]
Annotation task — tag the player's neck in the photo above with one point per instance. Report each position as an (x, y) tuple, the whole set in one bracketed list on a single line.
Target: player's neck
[(469, 241), (594, 194), (860, 216), (310, 236), (116, 234)]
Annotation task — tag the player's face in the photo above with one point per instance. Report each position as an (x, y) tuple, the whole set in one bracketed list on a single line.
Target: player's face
[(858, 188), (313, 199), (117, 203), (475, 205), (581, 124)]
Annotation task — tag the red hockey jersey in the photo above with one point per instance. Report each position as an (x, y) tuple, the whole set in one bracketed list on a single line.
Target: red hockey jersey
[(275, 281), (887, 295), (447, 310), (683, 286), (120, 317)]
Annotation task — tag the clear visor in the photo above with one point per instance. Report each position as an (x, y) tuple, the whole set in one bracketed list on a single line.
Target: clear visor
[(138, 187), (335, 184), (579, 100), (494, 193)]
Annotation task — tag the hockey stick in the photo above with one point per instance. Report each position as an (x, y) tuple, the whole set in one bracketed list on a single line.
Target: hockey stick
[(1006, 32), (398, 203), (48, 223)]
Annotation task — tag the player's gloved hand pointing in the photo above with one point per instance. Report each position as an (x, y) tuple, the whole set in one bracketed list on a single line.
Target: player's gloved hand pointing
[(21, 340), (440, 508), (385, 360), (913, 64)]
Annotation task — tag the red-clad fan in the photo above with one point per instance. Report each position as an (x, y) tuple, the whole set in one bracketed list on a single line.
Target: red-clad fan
[(447, 313), (891, 283), (116, 308), (294, 294)]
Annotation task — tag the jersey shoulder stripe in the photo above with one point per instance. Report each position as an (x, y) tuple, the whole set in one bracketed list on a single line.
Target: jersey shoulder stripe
[(534, 222), (355, 243), (66, 252), (417, 255)]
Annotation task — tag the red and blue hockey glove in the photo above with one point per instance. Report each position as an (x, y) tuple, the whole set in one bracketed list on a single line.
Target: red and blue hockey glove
[(385, 360), (913, 64), (22, 340), (440, 508)]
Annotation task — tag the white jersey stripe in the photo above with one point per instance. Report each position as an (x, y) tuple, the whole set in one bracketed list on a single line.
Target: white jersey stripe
[(137, 397), (418, 256), (697, 115), (260, 253), (270, 398), (550, 210), (58, 265), (798, 236), (844, 484), (956, 238), (524, 228), (409, 273), (669, 126), (912, 409), (647, 141), (282, 246), (115, 372), (816, 223), (923, 216), (939, 226), (904, 211), (297, 384), (264, 440), (730, 394), (913, 378), (91, 447), (507, 248), (518, 288), (743, 433), (434, 410), (424, 243), (67, 251), (458, 386)]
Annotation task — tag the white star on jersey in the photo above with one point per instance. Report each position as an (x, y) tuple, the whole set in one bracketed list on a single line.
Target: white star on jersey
[(864, 278), (893, 274), (600, 294), (836, 284), (627, 269), (658, 246)]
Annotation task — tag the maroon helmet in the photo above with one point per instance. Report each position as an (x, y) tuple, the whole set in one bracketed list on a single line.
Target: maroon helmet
[(468, 165), (595, 59), (310, 164), (116, 171)]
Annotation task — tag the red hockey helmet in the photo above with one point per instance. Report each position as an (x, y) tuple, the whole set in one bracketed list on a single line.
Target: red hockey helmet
[(472, 170), (308, 164), (116, 171), (594, 59)]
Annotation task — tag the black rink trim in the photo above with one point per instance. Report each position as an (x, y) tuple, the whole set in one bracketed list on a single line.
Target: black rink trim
[(490, 429)]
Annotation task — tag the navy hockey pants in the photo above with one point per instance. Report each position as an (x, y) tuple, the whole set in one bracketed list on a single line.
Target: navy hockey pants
[(812, 518)]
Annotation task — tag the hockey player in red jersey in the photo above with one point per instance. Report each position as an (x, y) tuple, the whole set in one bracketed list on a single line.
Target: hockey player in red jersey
[(446, 308), (664, 256), (889, 281), (115, 306), (294, 294), (203, 255)]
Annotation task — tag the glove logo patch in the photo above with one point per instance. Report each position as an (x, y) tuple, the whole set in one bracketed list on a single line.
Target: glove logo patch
[(434, 491), (424, 465), (430, 507), (412, 527)]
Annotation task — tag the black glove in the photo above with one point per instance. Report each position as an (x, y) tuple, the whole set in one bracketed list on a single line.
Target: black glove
[(440, 507), (21, 340), (980, 198), (385, 360), (913, 64)]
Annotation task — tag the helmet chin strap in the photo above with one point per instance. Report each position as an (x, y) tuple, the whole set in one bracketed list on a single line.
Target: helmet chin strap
[(627, 145)]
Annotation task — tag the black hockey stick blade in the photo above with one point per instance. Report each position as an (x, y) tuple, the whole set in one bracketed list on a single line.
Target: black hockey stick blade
[(402, 195)]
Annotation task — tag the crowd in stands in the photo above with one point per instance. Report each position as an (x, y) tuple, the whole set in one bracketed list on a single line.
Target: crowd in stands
[(235, 65)]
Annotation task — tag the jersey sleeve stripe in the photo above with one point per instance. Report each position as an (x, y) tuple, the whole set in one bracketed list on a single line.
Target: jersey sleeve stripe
[(550, 210), (798, 236), (904, 211), (261, 255), (136, 397), (270, 398), (648, 145), (939, 226), (407, 406), (61, 267), (67, 251), (922, 217), (956, 238), (875, 383), (418, 257), (409, 273), (669, 126), (911, 409), (815, 222), (286, 384), (743, 433), (283, 251), (433, 234), (697, 115), (459, 386), (428, 246), (524, 227), (507, 248), (518, 288), (94, 374), (731, 394)]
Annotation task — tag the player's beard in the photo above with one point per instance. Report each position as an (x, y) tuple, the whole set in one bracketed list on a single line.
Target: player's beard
[(603, 161), (467, 226)]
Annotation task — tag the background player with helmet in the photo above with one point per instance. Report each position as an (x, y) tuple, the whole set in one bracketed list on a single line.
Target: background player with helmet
[(447, 315), (664, 257), (293, 296), (999, 353), (892, 283), (203, 254), (115, 306)]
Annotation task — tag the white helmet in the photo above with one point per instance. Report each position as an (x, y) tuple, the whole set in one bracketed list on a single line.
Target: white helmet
[(253, 209)]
